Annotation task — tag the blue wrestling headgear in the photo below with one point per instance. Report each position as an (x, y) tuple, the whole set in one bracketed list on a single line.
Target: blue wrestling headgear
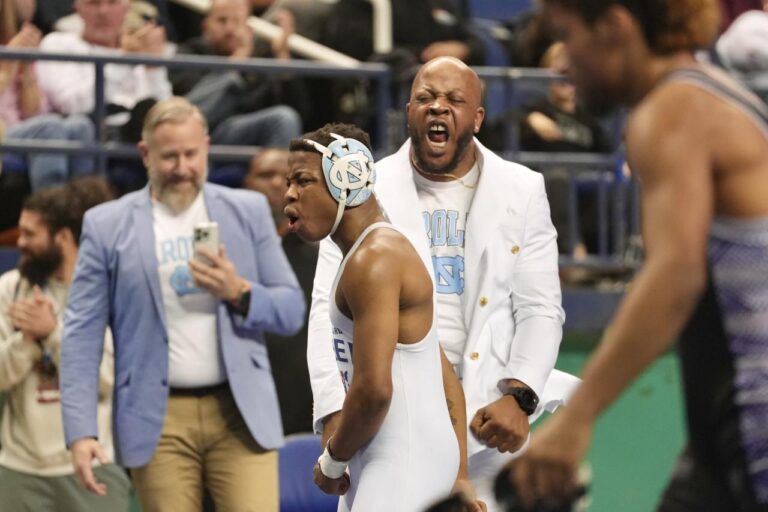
[(349, 172)]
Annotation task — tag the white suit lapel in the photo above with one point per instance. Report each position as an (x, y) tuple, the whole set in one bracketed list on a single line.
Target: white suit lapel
[(396, 192), (482, 225)]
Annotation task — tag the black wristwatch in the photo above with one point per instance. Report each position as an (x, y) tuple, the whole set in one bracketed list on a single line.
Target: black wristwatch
[(243, 303), (526, 398)]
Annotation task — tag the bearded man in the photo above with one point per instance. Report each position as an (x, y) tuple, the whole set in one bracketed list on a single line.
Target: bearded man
[(195, 402), (35, 473)]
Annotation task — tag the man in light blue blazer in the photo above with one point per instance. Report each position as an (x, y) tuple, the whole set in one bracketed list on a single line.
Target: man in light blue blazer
[(194, 399)]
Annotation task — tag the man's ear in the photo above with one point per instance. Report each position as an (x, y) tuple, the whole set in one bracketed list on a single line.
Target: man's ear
[(64, 236), (479, 116), (144, 150)]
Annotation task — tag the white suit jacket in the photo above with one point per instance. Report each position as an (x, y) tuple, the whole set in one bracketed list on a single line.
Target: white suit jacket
[(511, 300)]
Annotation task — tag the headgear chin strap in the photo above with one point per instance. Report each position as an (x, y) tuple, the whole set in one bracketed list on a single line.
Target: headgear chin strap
[(349, 172)]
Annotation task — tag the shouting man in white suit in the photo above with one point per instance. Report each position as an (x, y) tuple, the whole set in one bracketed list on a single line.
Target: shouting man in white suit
[(486, 223)]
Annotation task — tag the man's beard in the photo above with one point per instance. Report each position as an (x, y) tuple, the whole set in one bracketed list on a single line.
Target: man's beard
[(462, 143), (176, 200), (37, 268)]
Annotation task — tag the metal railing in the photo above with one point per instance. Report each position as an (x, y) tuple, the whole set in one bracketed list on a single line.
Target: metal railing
[(377, 73), (389, 128)]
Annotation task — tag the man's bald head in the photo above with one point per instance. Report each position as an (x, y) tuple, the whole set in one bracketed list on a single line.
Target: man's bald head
[(444, 112), (440, 65)]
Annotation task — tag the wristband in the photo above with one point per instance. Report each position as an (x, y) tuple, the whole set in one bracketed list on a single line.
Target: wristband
[(330, 467)]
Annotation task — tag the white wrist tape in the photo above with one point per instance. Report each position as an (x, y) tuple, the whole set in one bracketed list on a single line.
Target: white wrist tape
[(331, 467)]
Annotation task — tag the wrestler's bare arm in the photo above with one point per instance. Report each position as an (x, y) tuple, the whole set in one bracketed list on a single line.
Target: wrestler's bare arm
[(457, 410), (667, 148), (371, 288)]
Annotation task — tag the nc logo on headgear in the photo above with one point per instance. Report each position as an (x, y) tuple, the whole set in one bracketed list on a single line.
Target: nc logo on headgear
[(348, 169)]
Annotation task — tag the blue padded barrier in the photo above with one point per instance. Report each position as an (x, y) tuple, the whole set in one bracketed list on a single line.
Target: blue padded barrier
[(298, 493), (8, 258)]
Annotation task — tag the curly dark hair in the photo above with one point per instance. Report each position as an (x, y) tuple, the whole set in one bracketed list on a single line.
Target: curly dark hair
[(64, 207), (668, 25), (323, 136), (83, 194)]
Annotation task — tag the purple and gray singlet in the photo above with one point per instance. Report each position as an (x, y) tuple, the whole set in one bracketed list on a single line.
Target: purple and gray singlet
[(724, 347)]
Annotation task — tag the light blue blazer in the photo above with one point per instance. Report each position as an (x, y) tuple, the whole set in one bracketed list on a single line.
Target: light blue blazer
[(116, 284)]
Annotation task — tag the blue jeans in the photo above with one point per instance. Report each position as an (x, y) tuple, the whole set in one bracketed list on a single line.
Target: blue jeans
[(272, 126), (53, 169)]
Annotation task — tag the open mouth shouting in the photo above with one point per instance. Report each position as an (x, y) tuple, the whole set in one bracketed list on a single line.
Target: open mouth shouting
[(437, 135), (293, 218)]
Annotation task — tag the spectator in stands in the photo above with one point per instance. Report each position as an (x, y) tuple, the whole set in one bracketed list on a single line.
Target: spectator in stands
[(310, 16), (420, 31), (23, 106), (35, 472), (557, 122), (242, 108), (129, 90), (427, 29), (267, 174), (529, 38), (743, 48), (52, 15), (195, 404)]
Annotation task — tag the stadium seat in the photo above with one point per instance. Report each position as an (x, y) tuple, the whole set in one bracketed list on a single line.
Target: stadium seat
[(298, 493), (230, 175), (498, 9), (8, 258), (13, 163)]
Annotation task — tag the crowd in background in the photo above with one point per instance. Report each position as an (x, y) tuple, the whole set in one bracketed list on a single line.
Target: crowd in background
[(54, 101)]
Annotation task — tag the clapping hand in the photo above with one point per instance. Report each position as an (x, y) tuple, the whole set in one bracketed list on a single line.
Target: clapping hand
[(34, 316)]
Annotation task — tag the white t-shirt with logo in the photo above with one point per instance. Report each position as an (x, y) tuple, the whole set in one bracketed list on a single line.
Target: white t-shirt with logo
[(445, 206), (194, 354)]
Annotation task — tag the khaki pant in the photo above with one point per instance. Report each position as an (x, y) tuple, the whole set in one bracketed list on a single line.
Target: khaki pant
[(21, 492), (205, 442)]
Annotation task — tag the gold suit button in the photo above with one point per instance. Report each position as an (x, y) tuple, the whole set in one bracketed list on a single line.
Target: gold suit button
[(474, 356), (515, 249), (483, 301)]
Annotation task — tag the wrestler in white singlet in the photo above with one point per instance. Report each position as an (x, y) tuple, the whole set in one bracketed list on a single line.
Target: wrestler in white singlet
[(413, 459)]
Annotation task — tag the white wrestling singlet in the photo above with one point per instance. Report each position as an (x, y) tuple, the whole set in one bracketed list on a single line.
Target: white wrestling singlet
[(413, 459)]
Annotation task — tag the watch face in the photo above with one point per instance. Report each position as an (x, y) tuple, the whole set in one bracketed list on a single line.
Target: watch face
[(526, 399)]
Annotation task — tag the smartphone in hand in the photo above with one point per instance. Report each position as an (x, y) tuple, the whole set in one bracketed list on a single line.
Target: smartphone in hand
[(206, 236)]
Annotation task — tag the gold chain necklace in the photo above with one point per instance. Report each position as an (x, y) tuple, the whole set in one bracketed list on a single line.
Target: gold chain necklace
[(445, 175)]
